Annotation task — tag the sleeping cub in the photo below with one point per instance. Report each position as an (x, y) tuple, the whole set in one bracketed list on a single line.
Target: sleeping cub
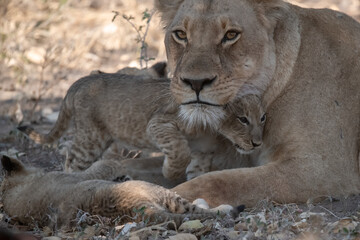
[(32, 196)]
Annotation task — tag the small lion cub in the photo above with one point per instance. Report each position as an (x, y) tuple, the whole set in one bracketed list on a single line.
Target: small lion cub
[(243, 126), (31, 195)]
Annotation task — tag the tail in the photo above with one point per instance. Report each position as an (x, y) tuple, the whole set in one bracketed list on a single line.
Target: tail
[(61, 125)]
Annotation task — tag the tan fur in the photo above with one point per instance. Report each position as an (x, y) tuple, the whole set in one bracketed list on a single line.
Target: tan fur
[(137, 111), (158, 70), (305, 63), (32, 196)]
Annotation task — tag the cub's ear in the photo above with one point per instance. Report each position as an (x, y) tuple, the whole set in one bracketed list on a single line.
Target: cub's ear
[(11, 165), (160, 69), (167, 9)]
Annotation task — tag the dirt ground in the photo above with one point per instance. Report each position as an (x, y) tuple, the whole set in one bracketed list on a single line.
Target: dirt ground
[(46, 45)]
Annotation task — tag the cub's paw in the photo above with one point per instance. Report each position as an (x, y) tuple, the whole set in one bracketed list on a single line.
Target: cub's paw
[(171, 172)]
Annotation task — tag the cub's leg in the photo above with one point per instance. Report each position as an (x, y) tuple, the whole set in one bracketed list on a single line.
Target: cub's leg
[(149, 170), (167, 136), (88, 147), (200, 164)]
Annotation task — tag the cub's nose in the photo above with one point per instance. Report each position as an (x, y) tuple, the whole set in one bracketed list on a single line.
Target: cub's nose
[(256, 143), (198, 84)]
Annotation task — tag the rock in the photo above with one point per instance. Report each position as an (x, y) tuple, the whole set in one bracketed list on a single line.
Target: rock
[(201, 203), (299, 226), (280, 236), (46, 111), (191, 225), (317, 220), (52, 117), (47, 231), (19, 116), (127, 227), (241, 227), (51, 238), (134, 238), (307, 215), (233, 235), (12, 152), (224, 208), (182, 236), (89, 232), (36, 55), (258, 233)]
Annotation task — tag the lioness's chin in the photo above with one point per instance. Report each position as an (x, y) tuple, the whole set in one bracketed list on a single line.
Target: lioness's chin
[(201, 116)]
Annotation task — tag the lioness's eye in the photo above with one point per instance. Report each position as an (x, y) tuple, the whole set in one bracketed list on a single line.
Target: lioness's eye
[(263, 118), (230, 36), (244, 120), (181, 35)]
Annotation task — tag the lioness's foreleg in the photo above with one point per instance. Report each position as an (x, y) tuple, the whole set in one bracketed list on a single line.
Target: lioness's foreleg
[(294, 180)]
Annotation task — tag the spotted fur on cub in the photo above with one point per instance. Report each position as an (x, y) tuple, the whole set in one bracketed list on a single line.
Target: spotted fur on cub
[(32, 196)]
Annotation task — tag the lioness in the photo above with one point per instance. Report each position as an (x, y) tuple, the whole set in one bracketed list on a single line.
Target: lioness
[(304, 62), (32, 196), (138, 111)]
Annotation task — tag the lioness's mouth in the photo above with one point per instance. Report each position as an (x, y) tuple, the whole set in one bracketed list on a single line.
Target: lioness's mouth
[(201, 102)]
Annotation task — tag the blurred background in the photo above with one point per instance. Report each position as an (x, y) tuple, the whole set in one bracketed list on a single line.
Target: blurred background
[(45, 45)]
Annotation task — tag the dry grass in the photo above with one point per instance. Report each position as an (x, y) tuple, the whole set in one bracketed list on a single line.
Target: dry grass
[(45, 45)]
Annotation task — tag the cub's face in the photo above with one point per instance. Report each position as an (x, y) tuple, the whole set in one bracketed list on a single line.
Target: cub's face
[(216, 49), (244, 124)]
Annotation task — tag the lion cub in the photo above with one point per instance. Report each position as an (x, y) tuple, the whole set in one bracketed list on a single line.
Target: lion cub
[(136, 111), (243, 126), (32, 196)]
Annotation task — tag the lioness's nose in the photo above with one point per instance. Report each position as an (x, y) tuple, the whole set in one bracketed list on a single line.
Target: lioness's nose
[(198, 84), (256, 143)]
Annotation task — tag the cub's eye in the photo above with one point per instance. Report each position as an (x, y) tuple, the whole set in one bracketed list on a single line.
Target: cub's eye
[(180, 35), (263, 118), (244, 120), (231, 36)]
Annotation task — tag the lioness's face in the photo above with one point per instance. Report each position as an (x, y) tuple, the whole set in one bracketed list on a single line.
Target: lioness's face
[(244, 123), (215, 48)]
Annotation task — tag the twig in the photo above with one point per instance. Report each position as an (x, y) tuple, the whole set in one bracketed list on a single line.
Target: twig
[(141, 36), (144, 38), (333, 214)]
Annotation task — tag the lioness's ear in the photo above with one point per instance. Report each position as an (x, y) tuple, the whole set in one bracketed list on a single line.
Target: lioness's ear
[(271, 11), (167, 9), (11, 165)]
